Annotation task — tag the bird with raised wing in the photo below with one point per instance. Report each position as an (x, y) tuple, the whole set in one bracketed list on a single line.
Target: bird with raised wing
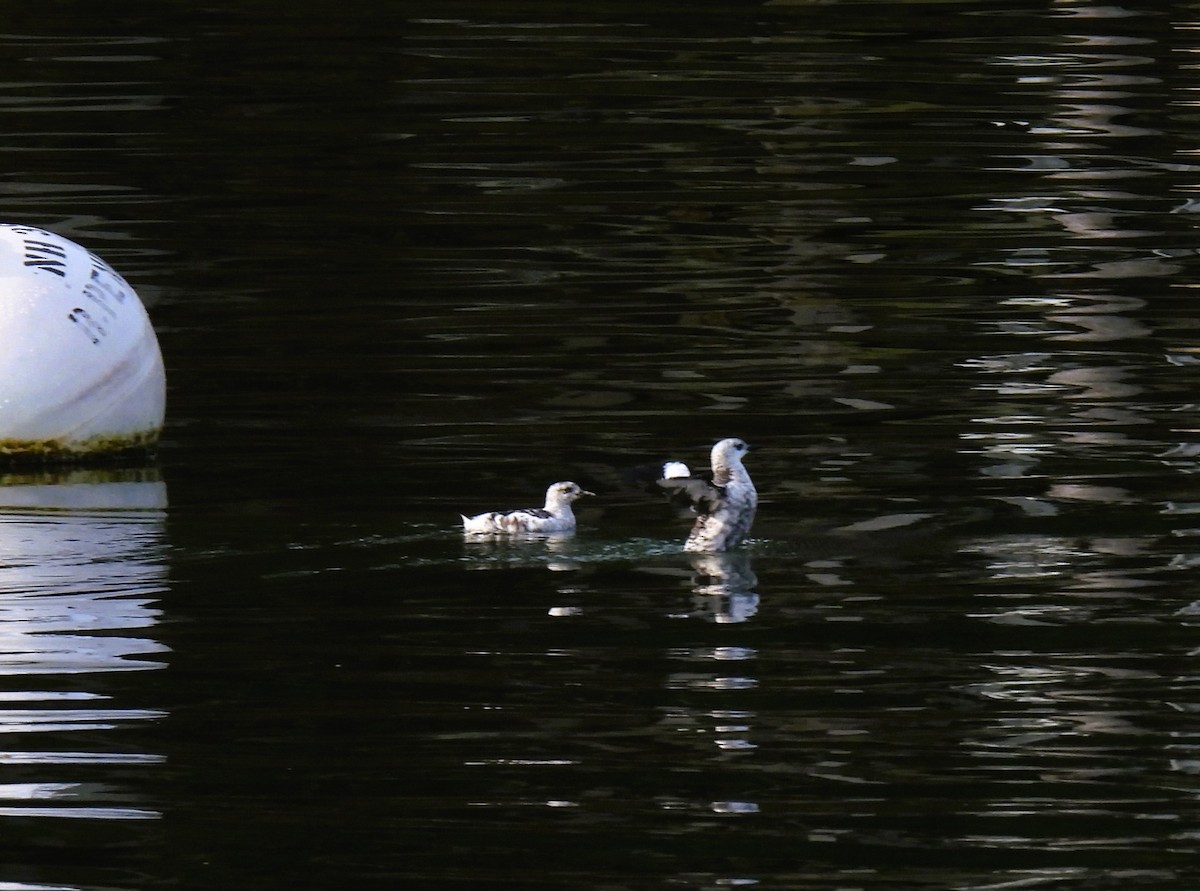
[(725, 502)]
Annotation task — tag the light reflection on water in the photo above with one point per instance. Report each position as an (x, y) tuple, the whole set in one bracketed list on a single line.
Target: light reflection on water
[(935, 267), (81, 570)]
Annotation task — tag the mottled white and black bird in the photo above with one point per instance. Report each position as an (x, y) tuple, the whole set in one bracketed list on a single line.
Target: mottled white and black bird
[(725, 502), (555, 517)]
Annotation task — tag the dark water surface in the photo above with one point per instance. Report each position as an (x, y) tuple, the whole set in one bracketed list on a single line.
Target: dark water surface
[(935, 261)]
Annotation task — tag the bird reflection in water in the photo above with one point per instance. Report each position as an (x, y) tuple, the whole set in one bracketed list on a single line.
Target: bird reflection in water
[(723, 587), (554, 550)]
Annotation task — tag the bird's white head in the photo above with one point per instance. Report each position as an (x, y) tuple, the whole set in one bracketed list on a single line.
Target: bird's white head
[(564, 493), (729, 451), (727, 461)]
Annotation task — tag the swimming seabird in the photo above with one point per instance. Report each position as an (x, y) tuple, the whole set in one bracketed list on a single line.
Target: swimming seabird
[(556, 516), (725, 502)]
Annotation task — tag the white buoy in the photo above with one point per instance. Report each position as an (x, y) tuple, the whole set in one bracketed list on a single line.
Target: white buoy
[(81, 374)]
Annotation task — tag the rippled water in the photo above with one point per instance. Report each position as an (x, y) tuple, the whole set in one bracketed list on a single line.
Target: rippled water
[(932, 260)]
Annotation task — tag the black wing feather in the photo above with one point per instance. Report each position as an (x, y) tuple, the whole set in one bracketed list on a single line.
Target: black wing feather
[(699, 494)]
